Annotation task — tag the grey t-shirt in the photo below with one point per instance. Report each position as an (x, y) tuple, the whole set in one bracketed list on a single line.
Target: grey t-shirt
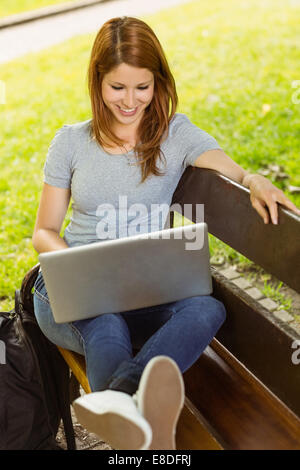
[(109, 200)]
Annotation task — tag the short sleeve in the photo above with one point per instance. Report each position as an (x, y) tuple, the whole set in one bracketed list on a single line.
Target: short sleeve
[(192, 140), (57, 168)]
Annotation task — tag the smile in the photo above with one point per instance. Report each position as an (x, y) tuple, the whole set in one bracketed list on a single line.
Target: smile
[(128, 112)]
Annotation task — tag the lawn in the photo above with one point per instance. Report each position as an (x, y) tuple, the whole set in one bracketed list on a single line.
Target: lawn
[(234, 63), (11, 7)]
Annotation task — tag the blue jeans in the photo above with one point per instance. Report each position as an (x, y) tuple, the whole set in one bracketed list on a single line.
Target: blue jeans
[(180, 330)]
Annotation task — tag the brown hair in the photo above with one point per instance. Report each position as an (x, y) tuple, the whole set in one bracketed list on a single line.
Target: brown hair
[(131, 41)]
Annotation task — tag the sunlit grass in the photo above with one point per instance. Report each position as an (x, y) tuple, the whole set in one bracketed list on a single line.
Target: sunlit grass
[(12, 7), (274, 293)]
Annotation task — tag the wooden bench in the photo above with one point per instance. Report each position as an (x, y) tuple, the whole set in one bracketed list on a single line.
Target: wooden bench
[(243, 392)]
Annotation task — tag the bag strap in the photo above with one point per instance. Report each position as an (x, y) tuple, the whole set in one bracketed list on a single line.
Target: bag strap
[(26, 288)]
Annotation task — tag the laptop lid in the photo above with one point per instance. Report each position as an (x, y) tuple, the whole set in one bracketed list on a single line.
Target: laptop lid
[(127, 273)]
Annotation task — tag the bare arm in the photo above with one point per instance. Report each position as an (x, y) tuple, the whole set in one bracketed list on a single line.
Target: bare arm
[(262, 192), (53, 206)]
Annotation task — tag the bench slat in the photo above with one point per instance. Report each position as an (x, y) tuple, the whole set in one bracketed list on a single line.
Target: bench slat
[(242, 412), (258, 339), (192, 432)]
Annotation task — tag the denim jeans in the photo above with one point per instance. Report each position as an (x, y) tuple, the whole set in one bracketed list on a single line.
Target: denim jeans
[(180, 330)]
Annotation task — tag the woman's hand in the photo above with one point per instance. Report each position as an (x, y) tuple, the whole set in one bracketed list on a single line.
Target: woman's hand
[(264, 194)]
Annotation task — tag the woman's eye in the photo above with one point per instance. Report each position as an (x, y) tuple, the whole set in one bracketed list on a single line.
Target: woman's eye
[(121, 88)]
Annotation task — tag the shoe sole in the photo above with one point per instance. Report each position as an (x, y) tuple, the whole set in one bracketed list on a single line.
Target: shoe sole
[(116, 430), (161, 398)]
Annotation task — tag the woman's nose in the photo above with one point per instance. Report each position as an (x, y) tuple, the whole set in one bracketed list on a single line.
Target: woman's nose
[(129, 100)]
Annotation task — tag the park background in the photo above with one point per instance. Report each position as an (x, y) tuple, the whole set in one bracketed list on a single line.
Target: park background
[(236, 66)]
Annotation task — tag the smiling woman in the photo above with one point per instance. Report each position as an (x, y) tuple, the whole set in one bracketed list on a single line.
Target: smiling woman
[(134, 148)]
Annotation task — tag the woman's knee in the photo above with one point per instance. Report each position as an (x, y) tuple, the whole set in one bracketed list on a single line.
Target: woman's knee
[(206, 305), (219, 311), (211, 314)]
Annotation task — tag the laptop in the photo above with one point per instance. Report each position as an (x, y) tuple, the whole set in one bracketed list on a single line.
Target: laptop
[(128, 273)]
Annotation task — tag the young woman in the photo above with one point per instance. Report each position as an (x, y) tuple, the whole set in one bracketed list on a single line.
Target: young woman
[(134, 146)]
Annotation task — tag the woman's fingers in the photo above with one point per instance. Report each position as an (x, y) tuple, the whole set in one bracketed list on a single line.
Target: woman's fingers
[(271, 203), (273, 208), (259, 207), (263, 193), (288, 204), (279, 196)]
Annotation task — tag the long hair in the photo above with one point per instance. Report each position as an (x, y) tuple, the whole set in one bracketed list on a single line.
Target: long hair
[(131, 41)]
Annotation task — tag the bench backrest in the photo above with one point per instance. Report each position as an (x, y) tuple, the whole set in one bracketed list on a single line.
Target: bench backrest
[(251, 332), (231, 218)]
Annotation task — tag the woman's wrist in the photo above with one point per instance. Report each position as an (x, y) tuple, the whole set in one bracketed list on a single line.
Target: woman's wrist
[(247, 179)]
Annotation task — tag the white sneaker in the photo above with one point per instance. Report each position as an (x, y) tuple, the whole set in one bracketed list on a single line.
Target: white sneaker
[(114, 417), (160, 398)]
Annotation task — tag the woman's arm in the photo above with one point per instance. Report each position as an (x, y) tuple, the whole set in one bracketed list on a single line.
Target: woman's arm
[(53, 207), (262, 192)]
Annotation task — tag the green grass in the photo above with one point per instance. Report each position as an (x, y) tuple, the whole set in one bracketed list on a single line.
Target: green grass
[(11, 7), (228, 61), (283, 301)]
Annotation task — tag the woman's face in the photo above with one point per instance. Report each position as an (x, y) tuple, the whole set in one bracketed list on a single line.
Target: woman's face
[(127, 91)]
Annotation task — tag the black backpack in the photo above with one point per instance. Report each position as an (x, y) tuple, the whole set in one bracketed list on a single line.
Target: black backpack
[(35, 387)]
